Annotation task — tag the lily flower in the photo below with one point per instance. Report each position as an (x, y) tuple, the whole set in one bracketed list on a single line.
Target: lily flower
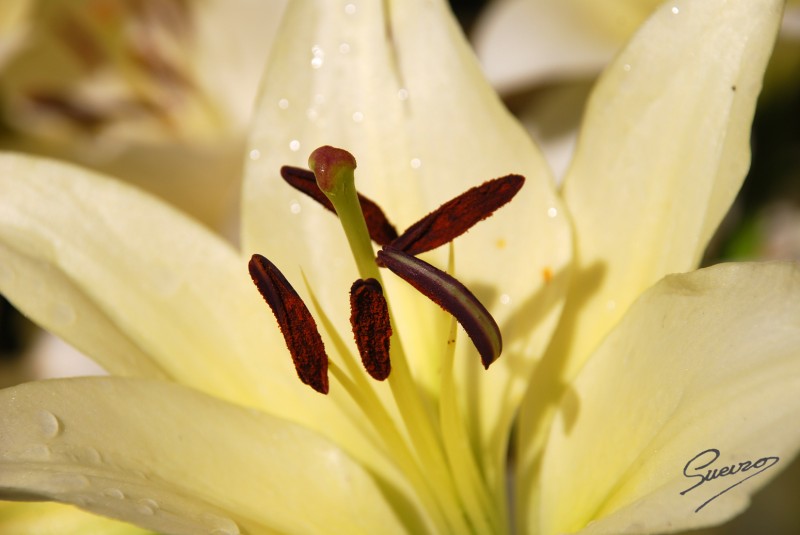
[(648, 398)]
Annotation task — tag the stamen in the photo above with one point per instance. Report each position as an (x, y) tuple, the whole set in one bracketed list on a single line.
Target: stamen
[(369, 316), (458, 215), (295, 321), (451, 295), (380, 229)]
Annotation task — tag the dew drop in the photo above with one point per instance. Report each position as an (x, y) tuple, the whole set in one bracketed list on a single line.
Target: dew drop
[(319, 57), (63, 314), (611, 304), (675, 10), (344, 48), (255, 154), (350, 9), (146, 506), (114, 493), (87, 455), (295, 208), (626, 67), (358, 117), (49, 424), (312, 114), (402, 94), (416, 163), (283, 103), (552, 212), (224, 527), (505, 299), (294, 145)]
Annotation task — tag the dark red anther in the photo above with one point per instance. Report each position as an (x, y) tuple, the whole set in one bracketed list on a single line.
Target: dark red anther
[(369, 316), (380, 230), (295, 321), (451, 295), (458, 215)]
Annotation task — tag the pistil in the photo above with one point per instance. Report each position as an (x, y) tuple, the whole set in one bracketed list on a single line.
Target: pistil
[(335, 172)]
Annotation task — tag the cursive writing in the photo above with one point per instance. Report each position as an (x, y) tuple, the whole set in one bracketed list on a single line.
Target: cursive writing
[(700, 468)]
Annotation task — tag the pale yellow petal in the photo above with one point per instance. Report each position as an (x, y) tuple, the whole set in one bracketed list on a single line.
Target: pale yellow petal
[(174, 460), (662, 152), (396, 84), (127, 279), (704, 361), (47, 518)]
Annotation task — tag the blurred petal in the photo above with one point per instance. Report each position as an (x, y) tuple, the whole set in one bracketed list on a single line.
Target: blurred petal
[(662, 152), (530, 42), (56, 519), (177, 461), (423, 126), (705, 360)]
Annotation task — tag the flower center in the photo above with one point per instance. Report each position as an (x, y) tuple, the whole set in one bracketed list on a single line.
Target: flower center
[(429, 449)]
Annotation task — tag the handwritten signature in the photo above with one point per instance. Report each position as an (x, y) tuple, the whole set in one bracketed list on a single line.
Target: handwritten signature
[(699, 467)]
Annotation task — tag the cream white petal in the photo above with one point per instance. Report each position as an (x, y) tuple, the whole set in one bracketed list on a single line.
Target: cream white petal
[(662, 152), (174, 460), (129, 280), (701, 362), (396, 84)]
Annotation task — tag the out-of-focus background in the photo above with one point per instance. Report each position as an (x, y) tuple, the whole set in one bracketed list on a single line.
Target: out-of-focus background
[(159, 92)]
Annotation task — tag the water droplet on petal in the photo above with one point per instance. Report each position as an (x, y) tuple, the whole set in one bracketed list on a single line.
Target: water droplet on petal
[(294, 145), (319, 57), (505, 299), (416, 163), (552, 212), (255, 154), (626, 67), (402, 94), (295, 208), (114, 493), (49, 425), (611, 304), (147, 506), (350, 9), (675, 10), (312, 114), (358, 117), (87, 455), (283, 103), (344, 48)]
